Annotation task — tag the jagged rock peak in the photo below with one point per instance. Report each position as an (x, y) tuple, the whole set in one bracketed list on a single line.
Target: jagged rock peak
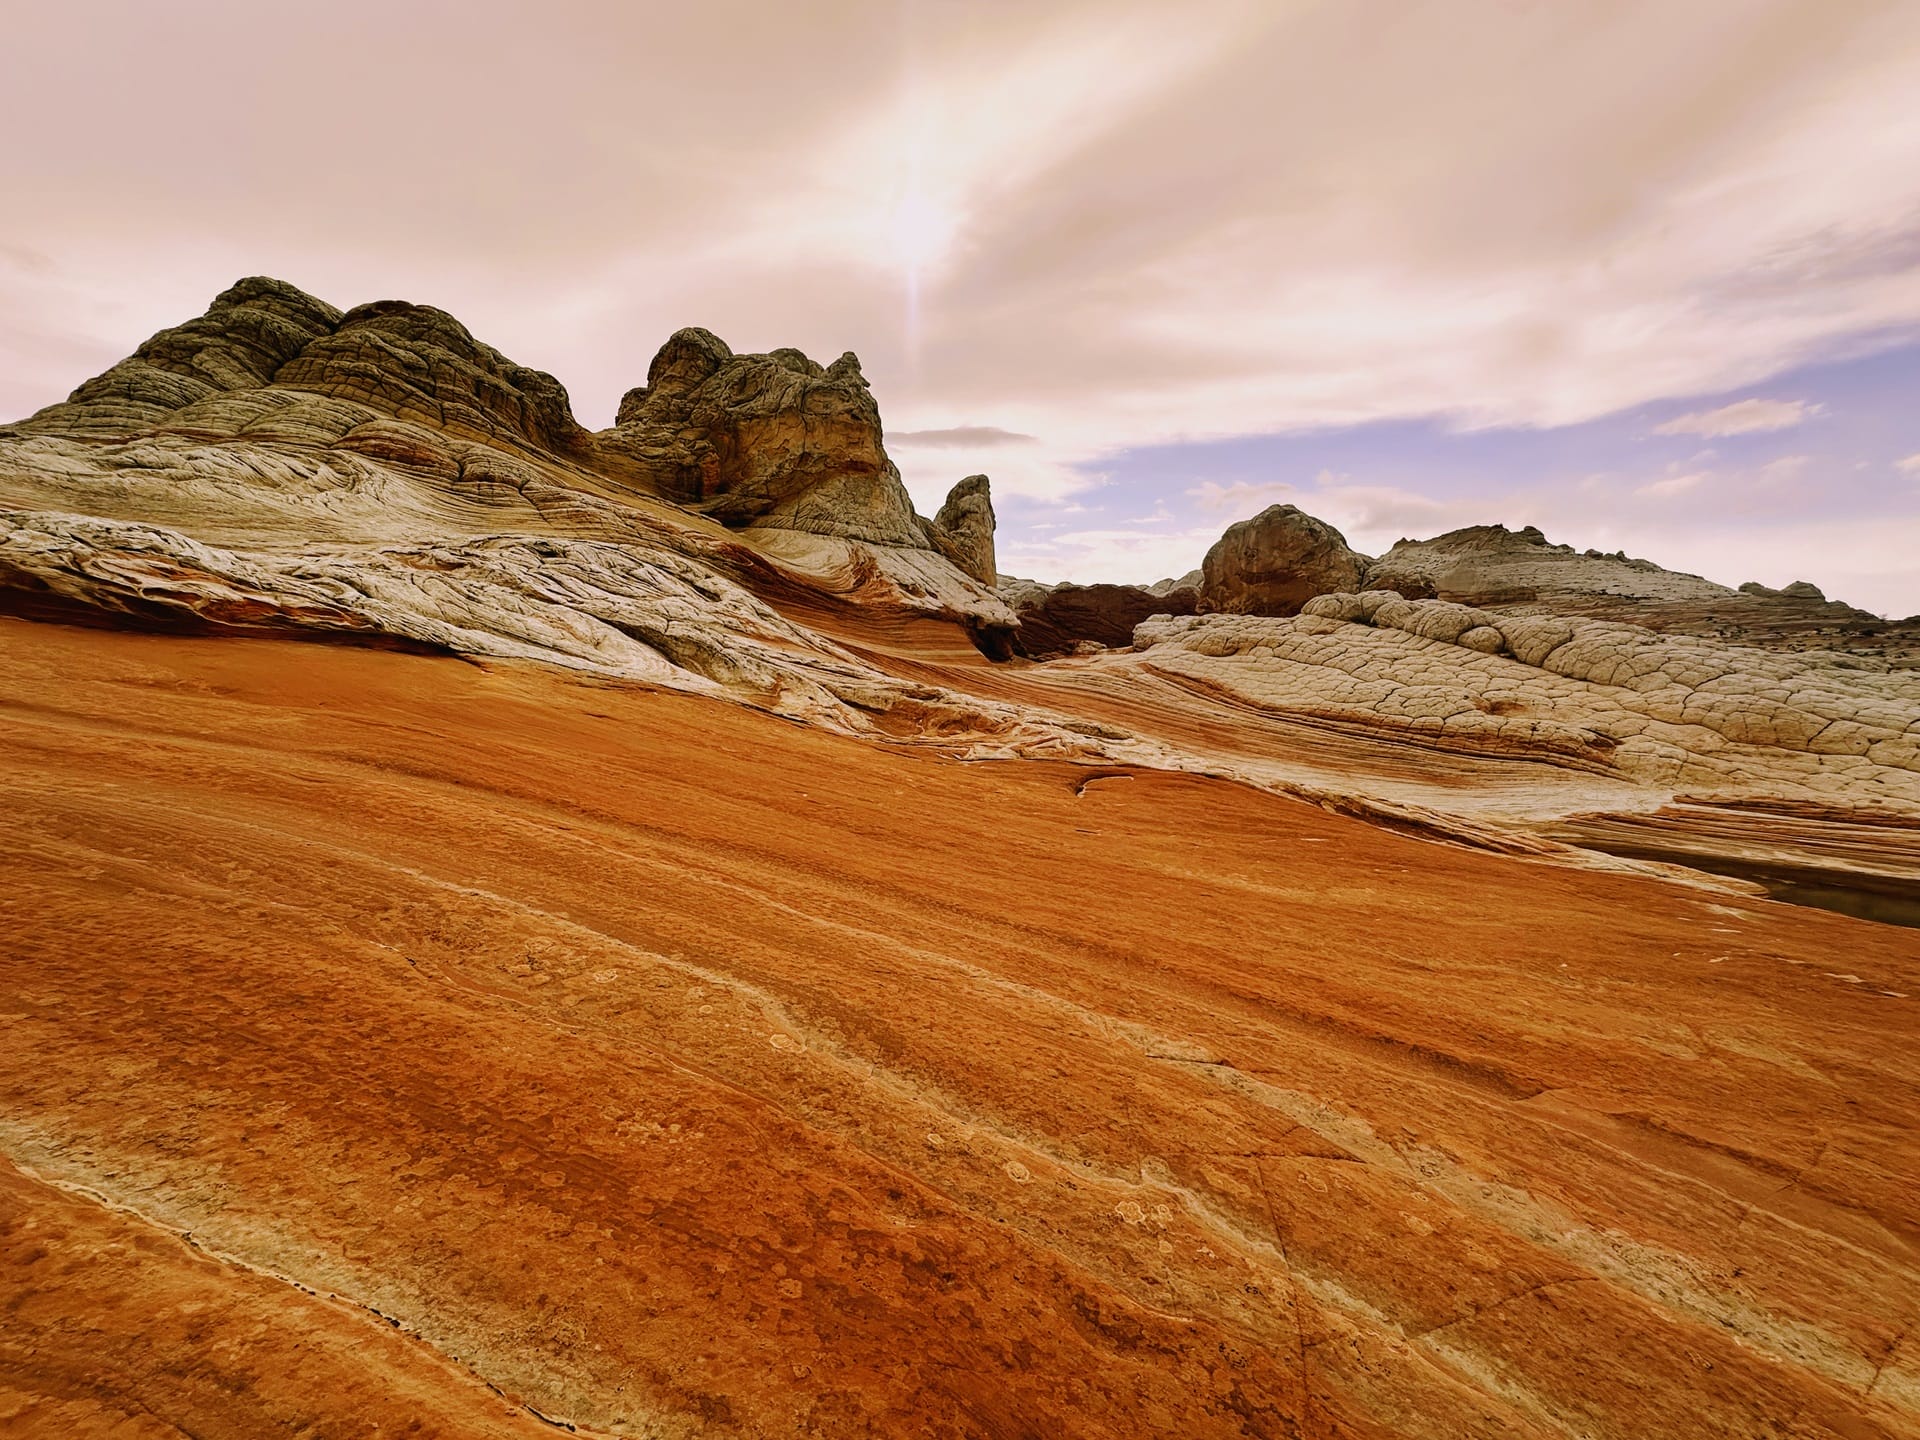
[(1275, 562), (688, 359), (964, 529), (420, 363), (251, 329)]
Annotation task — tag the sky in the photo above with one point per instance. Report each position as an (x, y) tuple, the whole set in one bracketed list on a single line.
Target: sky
[(1644, 275)]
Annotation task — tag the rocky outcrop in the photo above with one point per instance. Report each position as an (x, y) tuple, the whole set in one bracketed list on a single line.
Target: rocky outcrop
[(1059, 619), (250, 331), (1276, 562), (963, 530), (1797, 590), (775, 440)]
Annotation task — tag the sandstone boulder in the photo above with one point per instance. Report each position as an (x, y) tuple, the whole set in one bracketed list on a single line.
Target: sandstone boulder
[(1276, 562)]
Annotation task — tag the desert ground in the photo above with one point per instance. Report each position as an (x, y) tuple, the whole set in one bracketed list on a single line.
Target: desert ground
[(406, 1044)]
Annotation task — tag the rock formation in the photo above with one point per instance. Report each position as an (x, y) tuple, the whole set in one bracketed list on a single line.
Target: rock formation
[(1667, 711), (440, 494), (1192, 580), (1058, 619), (776, 440), (1276, 562), (270, 363), (380, 1031)]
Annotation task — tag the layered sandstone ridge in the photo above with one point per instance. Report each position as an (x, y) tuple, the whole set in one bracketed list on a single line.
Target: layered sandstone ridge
[(379, 474), (1673, 713)]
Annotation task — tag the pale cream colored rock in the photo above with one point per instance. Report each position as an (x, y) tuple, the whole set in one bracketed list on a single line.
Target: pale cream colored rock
[(1728, 721)]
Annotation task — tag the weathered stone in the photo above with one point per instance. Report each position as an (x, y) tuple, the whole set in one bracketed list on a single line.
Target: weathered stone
[(1192, 580), (1665, 710)]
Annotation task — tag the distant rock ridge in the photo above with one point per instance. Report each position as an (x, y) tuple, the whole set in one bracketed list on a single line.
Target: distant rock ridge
[(1521, 571)]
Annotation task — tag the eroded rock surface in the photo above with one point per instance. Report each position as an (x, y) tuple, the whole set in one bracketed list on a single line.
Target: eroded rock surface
[(1669, 711), (381, 474), (1276, 562)]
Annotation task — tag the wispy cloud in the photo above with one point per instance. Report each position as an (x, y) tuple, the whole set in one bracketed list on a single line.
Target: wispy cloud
[(1242, 497), (1910, 465), (961, 437), (1673, 485), (1743, 417)]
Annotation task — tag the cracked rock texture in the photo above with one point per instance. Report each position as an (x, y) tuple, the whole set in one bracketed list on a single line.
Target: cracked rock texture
[(1668, 711)]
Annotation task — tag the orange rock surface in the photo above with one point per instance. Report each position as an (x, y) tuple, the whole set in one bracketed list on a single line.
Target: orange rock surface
[(391, 1044)]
